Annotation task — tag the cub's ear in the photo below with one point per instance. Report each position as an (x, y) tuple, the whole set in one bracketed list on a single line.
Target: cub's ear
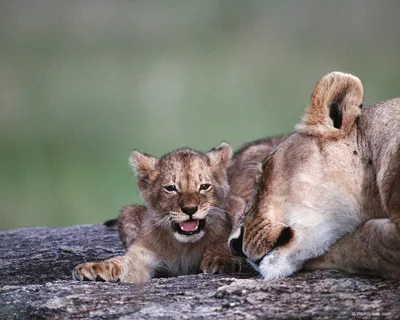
[(219, 157), (144, 167), (335, 105)]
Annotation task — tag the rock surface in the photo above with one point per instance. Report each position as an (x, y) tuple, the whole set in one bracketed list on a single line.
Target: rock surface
[(36, 283)]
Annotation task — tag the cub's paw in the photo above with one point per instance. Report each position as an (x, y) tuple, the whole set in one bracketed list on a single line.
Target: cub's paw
[(220, 264), (109, 270)]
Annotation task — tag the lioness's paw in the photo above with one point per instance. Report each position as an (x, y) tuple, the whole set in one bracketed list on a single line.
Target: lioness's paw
[(218, 264), (324, 262), (109, 270)]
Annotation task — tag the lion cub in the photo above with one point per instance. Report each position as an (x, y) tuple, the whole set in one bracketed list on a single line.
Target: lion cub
[(185, 225)]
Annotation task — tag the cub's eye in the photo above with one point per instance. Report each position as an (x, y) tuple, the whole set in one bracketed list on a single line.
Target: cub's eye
[(205, 186), (170, 188)]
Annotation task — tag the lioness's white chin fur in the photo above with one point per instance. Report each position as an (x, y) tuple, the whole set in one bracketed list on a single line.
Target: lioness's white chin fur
[(275, 266), (189, 239), (284, 261)]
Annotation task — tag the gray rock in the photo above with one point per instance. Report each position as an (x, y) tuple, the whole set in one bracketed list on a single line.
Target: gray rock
[(36, 283)]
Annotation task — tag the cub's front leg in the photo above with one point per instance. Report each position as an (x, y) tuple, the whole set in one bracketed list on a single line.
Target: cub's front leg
[(136, 266), (217, 259), (129, 224), (110, 270)]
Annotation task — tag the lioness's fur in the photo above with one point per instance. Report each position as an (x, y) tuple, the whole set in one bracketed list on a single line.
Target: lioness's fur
[(245, 166), (337, 176), (185, 224)]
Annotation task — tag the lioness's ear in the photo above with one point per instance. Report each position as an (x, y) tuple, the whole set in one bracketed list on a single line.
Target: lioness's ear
[(219, 157), (144, 167), (335, 105)]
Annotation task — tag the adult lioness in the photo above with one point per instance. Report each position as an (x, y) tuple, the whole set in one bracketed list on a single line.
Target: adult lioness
[(337, 176)]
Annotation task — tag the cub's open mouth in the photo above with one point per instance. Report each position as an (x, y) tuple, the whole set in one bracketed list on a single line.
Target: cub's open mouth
[(189, 227)]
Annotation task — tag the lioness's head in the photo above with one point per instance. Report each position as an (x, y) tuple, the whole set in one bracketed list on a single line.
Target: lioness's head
[(185, 190), (310, 189)]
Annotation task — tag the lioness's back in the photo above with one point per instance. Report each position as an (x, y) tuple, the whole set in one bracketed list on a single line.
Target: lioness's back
[(245, 165)]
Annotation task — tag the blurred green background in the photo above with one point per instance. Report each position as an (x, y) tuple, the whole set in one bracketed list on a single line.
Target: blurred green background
[(83, 83)]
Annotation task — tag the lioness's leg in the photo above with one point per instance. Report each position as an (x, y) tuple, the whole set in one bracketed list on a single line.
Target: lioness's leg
[(129, 222), (136, 266), (373, 249)]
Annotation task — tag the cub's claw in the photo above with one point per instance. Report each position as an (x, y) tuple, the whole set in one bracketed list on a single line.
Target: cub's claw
[(218, 264), (109, 270)]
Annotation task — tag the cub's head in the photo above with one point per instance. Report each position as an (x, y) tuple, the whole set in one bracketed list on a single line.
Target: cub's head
[(309, 192), (185, 190)]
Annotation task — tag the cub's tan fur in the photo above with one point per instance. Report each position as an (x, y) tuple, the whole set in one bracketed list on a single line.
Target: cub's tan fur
[(337, 177), (185, 224)]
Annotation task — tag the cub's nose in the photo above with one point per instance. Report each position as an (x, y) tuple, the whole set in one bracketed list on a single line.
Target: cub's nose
[(236, 243), (189, 210)]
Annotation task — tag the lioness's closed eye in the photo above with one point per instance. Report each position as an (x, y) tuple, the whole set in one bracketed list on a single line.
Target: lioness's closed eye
[(185, 224), (337, 176)]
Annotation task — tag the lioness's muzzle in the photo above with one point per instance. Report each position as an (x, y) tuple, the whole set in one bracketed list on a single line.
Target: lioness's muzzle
[(280, 236), (236, 244)]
